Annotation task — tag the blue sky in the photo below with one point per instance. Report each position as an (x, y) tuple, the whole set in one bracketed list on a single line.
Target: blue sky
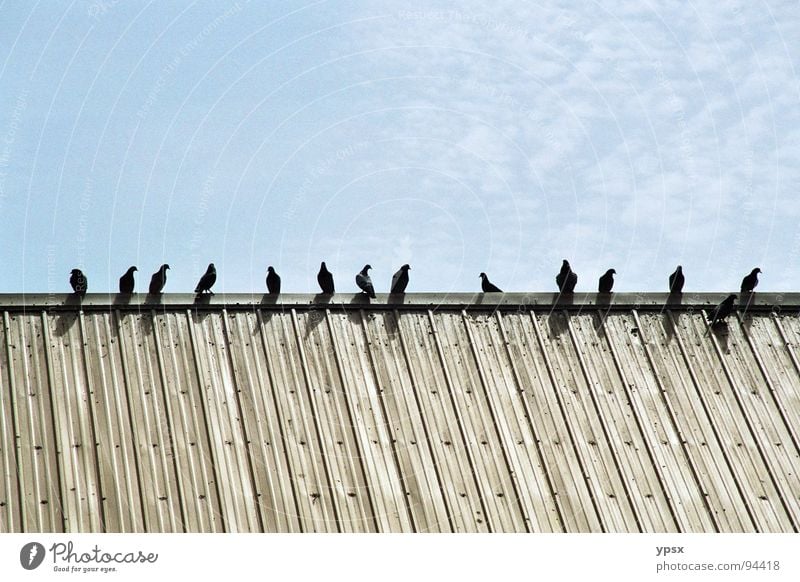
[(454, 136)]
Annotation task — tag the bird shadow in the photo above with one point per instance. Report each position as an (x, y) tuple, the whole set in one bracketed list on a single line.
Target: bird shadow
[(64, 322), (323, 298), (604, 299), (391, 322), (314, 318), (721, 332), (563, 298), (123, 299), (147, 323), (152, 299), (360, 299), (557, 324), (669, 327), (202, 299), (269, 299), (396, 298), (675, 298), (745, 300)]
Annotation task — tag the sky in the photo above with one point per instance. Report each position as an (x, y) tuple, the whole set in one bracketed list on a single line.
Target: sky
[(458, 137)]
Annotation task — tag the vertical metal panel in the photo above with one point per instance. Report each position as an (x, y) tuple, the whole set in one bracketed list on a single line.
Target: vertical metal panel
[(709, 350), (362, 419), (266, 448), (405, 420), (459, 479), (600, 462), (545, 413), (116, 461), (652, 416), (531, 484)]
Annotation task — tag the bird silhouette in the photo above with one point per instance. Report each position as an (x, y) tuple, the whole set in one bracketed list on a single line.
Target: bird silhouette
[(207, 280), (487, 286), (723, 310), (566, 278), (78, 282), (158, 280), (127, 282), (364, 281), (400, 280), (676, 281), (750, 281), (606, 282), (273, 281), (325, 280)]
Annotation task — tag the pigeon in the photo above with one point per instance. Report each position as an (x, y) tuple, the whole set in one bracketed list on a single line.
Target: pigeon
[(676, 281), (750, 281), (325, 280), (364, 282), (606, 282), (78, 281), (487, 285), (723, 310), (158, 280), (566, 278), (207, 281), (273, 282), (400, 280), (126, 282)]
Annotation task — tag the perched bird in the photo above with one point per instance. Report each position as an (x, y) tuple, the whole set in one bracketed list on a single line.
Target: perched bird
[(606, 282), (566, 278), (158, 280), (676, 281), (273, 282), (325, 280), (400, 280), (126, 282), (364, 282), (487, 286), (207, 281), (750, 281), (723, 310), (78, 281)]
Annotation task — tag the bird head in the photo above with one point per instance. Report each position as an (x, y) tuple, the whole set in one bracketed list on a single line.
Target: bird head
[(132, 269), (730, 298), (679, 269), (366, 268), (322, 265), (270, 269), (211, 268), (482, 276), (164, 267), (756, 271), (75, 272), (406, 267), (565, 263), (611, 272)]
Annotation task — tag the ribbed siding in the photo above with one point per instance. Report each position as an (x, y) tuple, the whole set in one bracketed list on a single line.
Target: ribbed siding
[(314, 418)]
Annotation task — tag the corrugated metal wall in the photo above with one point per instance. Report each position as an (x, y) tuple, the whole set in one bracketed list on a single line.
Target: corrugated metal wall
[(410, 419)]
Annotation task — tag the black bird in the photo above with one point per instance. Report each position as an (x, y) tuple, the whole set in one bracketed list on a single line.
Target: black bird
[(158, 280), (273, 282), (487, 286), (78, 281), (364, 282), (325, 280), (400, 280), (606, 282), (723, 310), (126, 282), (207, 281), (676, 281), (750, 281), (566, 278)]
